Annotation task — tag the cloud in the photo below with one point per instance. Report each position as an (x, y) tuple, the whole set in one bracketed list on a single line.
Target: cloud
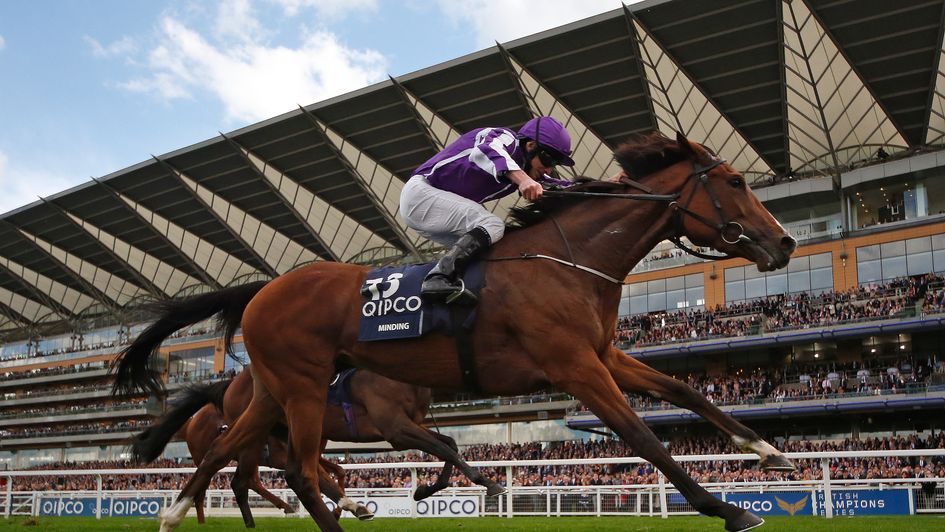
[(22, 186), (511, 19), (331, 9), (3, 42), (121, 47), (253, 80)]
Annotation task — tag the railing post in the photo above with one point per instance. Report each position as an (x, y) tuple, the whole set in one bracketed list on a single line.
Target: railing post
[(509, 470), (664, 509), (8, 510), (413, 483), (98, 496), (548, 503), (828, 497)]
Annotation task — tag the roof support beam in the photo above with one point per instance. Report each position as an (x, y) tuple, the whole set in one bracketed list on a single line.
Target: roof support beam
[(90, 289), (16, 317), (365, 186), (38, 294), (635, 49), (145, 283), (201, 273), (835, 174), (275, 190), (930, 100), (782, 71), (404, 96), (856, 71), (260, 261)]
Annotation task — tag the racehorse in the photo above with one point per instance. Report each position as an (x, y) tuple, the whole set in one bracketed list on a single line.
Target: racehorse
[(199, 432), (381, 409), (546, 318)]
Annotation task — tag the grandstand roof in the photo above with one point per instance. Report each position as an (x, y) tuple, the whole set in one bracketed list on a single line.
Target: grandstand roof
[(802, 87)]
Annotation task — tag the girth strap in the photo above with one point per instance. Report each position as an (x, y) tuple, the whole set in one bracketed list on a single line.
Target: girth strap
[(464, 345)]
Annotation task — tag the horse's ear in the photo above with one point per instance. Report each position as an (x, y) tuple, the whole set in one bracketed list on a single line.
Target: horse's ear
[(686, 146), (692, 151)]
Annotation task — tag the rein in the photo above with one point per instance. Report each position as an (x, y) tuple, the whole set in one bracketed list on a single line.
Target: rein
[(702, 174)]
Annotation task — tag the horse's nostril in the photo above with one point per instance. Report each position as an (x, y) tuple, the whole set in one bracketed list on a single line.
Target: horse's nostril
[(788, 244)]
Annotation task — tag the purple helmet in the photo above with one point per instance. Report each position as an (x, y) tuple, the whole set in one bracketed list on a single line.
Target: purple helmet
[(551, 135)]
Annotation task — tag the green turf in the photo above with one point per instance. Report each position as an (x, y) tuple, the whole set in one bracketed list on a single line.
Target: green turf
[(489, 524)]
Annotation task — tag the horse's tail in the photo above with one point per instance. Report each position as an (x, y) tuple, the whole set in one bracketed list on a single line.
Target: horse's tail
[(132, 366), (147, 446)]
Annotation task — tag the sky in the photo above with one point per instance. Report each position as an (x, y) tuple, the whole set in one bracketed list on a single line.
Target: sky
[(90, 88)]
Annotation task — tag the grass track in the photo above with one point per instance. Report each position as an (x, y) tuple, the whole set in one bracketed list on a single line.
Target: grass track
[(489, 524)]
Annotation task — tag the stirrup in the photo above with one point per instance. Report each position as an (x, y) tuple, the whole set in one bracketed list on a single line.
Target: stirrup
[(462, 293)]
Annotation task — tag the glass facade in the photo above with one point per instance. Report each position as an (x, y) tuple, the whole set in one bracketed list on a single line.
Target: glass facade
[(813, 273), (192, 363), (238, 359), (685, 291), (879, 263)]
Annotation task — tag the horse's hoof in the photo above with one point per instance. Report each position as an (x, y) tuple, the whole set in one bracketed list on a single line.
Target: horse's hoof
[(495, 490), (744, 521), (363, 514), (421, 493), (288, 510), (776, 462), (337, 513)]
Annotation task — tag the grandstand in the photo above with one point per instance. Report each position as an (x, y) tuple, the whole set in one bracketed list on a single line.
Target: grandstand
[(835, 113)]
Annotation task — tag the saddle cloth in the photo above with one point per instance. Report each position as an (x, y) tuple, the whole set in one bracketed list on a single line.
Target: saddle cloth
[(393, 308)]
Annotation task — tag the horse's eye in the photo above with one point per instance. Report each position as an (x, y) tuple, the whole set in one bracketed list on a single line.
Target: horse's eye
[(736, 182)]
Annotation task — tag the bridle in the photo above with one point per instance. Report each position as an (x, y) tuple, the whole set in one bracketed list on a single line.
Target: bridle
[(730, 231), (699, 172)]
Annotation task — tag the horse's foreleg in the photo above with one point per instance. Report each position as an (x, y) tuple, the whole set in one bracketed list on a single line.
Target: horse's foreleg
[(240, 486), (636, 377), (252, 426), (198, 504), (407, 435), (588, 380)]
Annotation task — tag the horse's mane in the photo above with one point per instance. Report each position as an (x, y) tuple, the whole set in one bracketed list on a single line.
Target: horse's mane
[(639, 157)]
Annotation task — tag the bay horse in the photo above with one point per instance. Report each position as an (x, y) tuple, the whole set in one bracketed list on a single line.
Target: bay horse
[(544, 322), (381, 410)]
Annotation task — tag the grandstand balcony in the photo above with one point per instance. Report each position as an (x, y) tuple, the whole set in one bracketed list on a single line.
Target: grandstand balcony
[(78, 414), (907, 322), (911, 398), (24, 380), (69, 438)]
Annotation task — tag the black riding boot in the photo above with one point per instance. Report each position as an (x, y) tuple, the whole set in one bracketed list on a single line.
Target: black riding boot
[(443, 282)]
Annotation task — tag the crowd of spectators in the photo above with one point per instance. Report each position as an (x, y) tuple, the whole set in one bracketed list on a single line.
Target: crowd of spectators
[(559, 475), (786, 311)]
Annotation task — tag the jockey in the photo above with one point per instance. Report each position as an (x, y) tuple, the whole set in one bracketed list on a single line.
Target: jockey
[(443, 200)]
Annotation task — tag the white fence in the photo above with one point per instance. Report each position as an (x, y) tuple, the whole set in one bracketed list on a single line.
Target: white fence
[(824, 496)]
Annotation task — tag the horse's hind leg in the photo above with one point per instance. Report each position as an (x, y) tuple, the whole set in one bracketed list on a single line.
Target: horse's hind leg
[(257, 486), (589, 381), (253, 426), (636, 377), (304, 417), (335, 490)]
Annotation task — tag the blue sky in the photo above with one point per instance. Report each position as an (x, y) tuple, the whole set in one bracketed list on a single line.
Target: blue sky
[(89, 88)]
